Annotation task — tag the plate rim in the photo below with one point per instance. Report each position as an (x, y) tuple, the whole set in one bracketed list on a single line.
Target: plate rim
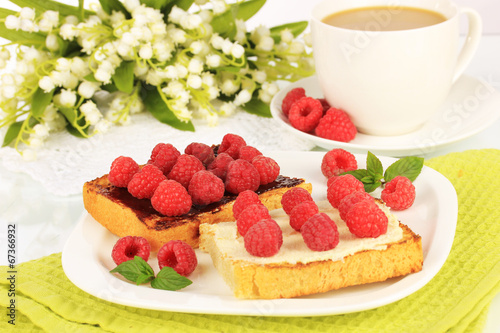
[(277, 114), (249, 307)]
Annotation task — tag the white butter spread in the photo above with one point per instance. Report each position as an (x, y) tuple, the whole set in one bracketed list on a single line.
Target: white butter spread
[(294, 250)]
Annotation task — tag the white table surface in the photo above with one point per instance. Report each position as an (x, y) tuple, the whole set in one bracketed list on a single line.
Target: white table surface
[(44, 221)]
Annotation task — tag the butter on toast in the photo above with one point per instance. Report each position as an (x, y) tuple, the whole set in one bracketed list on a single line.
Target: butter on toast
[(297, 271), (123, 215)]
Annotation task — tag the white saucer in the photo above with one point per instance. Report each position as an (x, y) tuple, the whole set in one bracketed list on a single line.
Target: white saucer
[(471, 106)]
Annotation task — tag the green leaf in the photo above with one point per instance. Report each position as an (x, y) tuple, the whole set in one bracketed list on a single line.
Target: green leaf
[(12, 133), (42, 6), (123, 78), (75, 125), (169, 279), (18, 36), (296, 28), (114, 5), (136, 270), (359, 174), (40, 101), (155, 104), (156, 4), (257, 107), (409, 167), (374, 166), (184, 4), (224, 24), (370, 187)]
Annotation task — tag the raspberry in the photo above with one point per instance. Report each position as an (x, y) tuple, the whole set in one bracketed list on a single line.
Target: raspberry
[(336, 125), (126, 248), (264, 238), (251, 215), (348, 201), (231, 144), (178, 255), (301, 213), (201, 151), (267, 168), (219, 166), (342, 186), (164, 156), (171, 199), (337, 161), (248, 153), (241, 175), (366, 219), (205, 188), (320, 233), (184, 169), (293, 197), (399, 193), (122, 170), (324, 103), (243, 200), (144, 183), (305, 114), (291, 97)]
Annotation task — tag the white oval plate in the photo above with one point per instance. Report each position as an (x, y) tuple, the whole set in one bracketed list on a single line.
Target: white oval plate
[(471, 107), (86, 258)]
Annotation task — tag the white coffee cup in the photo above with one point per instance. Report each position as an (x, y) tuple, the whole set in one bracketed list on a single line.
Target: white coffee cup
[(391, 82)]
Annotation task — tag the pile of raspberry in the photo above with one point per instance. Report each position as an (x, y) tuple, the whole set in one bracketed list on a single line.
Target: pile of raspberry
[(174, 182), (316, 116)]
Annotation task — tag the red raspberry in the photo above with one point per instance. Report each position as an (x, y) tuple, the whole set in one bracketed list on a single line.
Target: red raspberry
[(178, 255), (291, 97), (219, 166), (248, 153), (243, 200), (305, 114), (399, 193), (171, 199), (324, 103), (301, 213), (122, 170), (144, 183), (242, 175), (268, 169), (126, 248), (184, 169), (201, 151), (231, 144), (348, 201), (366, 219), (293, 197), (337, 161), (164, 156), (336, 125), (320, 233), (342, 186), (251, 215), (264, 238), (205, 188)]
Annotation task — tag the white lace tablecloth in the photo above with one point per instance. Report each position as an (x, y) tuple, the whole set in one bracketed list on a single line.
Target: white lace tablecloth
[(66, 162)]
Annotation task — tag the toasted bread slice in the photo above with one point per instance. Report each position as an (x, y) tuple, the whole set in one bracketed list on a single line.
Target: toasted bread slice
[(124, 215), (297, 271)]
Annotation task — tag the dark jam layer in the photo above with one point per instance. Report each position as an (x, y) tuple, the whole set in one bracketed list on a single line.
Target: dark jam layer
[(145, 211)]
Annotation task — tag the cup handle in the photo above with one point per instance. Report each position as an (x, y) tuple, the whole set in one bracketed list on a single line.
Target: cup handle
[(471, 41)]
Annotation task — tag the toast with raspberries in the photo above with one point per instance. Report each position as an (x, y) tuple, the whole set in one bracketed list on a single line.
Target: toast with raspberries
[(297, 268), (173, 194)]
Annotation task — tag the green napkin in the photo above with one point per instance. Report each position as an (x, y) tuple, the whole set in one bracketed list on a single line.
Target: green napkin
[(456, 300)]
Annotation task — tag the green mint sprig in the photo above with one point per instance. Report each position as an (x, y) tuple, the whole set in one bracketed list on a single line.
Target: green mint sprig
[(139, 271), (374, 176)]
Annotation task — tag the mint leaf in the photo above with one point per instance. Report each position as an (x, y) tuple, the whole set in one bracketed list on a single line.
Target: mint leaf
[(409, 167), (374, 166), (359, 174), (370, 187), (136, 270), (169, 279)]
